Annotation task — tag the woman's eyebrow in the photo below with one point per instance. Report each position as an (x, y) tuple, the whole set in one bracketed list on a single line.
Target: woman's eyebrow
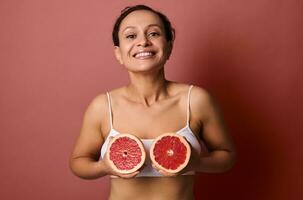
[(148, 26)]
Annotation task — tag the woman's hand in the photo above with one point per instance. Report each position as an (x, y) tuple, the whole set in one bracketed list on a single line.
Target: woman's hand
[(194, 161), (114, 174)]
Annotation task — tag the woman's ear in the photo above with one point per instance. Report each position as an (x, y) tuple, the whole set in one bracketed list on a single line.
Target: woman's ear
[(171, 43), (118, 54), (169, 49)]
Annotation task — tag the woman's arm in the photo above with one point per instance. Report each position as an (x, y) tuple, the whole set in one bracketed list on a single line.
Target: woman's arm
[(222, 152), (84, 158)]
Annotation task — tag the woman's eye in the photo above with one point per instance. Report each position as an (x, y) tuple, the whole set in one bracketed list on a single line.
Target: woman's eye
[(153, 34), (132, 36)]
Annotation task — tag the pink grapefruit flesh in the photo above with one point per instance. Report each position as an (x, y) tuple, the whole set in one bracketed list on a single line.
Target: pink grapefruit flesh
[(170, 152), (126, 153)]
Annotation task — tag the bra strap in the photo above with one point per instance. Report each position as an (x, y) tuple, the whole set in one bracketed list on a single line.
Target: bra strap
[(188, 105), (110, 110)]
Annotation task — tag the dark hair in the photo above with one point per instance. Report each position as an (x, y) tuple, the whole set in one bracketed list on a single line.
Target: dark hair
[(169, 30)]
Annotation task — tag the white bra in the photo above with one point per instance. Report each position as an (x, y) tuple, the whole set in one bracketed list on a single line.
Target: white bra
[(148, 170)]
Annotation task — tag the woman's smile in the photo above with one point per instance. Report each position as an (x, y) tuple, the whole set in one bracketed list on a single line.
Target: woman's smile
[(142, 55)]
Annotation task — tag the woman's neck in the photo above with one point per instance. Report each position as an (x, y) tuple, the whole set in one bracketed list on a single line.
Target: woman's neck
[(147, 89)]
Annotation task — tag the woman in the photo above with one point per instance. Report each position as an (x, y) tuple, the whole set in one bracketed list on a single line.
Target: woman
[(147, 107)]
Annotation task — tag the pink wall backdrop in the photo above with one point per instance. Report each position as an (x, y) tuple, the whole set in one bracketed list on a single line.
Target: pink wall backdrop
[(55, 56)]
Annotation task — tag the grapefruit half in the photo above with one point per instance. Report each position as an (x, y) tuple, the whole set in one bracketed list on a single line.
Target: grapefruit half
[(126, 153), (170, 152)]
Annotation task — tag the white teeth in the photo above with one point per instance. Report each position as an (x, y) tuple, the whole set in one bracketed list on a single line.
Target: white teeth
[(143, 54)]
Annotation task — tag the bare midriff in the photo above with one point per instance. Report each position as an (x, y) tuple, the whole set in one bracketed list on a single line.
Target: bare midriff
[(153, 188)]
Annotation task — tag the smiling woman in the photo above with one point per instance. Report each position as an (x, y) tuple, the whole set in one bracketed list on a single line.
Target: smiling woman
[(149, 106), (133, 36)]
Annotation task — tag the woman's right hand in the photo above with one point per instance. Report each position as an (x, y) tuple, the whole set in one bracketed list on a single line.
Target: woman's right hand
[(114, 174)]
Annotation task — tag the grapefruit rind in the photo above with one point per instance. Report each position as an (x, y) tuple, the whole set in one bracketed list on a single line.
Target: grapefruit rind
[(141, 146), (180, 167)]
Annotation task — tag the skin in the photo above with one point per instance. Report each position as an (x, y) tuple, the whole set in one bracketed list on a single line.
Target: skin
[(161, 101)]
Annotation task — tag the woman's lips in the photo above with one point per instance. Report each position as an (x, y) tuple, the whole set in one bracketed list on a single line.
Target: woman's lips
[(144, 55)]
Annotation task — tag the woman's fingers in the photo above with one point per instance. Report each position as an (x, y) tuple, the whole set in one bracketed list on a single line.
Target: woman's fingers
[(131, 175)]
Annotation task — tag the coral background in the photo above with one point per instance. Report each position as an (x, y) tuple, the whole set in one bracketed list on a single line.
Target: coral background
[(55, 56)]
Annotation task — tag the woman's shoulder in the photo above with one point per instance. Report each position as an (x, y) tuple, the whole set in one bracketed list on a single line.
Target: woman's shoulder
[(115, 91), (200, 93), (197, 92), (200, 98), (202, 102), (100, 102), (102, 97), (96, 104)]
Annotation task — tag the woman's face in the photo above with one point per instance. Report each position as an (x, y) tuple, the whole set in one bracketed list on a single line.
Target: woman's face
[(143, 46)]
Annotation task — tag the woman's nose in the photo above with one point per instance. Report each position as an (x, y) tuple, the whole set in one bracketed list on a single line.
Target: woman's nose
[(143, 41)]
